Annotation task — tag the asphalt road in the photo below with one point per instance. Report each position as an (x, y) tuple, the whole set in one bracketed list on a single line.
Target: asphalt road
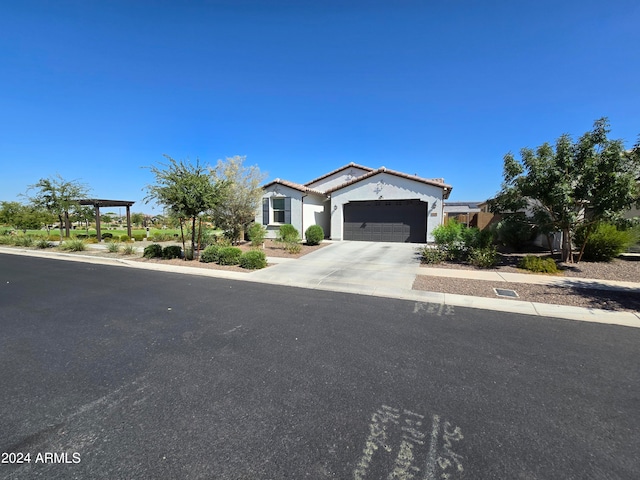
[(114, 373)]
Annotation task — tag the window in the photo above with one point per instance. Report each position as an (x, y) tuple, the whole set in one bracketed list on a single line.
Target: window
[(277, 205)]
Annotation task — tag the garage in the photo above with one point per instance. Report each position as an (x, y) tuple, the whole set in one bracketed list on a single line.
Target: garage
[(386, 221)]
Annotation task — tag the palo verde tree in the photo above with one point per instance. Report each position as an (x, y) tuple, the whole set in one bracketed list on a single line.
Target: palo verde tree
[(59, 197), (572, 184), (187, 191), (242, 195)]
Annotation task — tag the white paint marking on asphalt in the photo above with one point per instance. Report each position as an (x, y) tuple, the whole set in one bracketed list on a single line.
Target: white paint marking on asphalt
[(430, 469)]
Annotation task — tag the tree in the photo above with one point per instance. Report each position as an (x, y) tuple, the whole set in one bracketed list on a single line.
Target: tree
[(58, 197), (138, 218), (572, 184), (242, 195), (187, 191), (22, 217), (84, 214)]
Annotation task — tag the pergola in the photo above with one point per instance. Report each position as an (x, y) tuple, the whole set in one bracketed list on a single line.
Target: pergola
[(108, 203)]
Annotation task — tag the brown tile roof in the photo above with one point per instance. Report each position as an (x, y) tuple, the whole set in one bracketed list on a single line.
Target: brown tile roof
[(438, 182), (361, 167), (295, 186)]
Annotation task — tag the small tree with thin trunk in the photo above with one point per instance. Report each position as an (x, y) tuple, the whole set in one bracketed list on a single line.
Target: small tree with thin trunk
[(242, 195), (187, 191), (58, 197)]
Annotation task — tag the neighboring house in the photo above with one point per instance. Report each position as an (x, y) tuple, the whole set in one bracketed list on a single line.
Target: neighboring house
[(355, 202), (463, 212)]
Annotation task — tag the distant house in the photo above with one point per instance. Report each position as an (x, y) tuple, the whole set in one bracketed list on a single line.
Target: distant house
[(355, 202), (463, 212)]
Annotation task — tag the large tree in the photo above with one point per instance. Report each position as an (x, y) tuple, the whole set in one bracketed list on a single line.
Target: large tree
[(572, 184), (187, 190), (58, 197), (242, 195)]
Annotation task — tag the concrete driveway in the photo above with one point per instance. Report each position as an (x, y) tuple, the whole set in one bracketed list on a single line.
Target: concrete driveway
[(359, 267)]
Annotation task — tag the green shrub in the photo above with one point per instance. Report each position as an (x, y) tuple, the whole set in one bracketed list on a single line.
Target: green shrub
[(314, 235), (515, 231), (449, 233), (605, 243), (257, 234), (152, 251), (288, 233), (43, 243), (6, 240), (538, 264), (113, 247), (161, 237), (431, 255), (74, 245), (23, 241), (210, 254), (53, 238), (128, 249), (229, 256), (485, 257), (125, 238), (293, 247), (106, 235), (475, 238), (253, 260), (171, 251), (139, 237)]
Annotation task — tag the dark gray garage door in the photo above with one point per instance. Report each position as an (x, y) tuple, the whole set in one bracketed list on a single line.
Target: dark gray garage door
[(386, 221)]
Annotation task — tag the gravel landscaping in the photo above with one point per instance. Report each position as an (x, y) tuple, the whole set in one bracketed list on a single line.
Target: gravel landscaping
[(620, 270)]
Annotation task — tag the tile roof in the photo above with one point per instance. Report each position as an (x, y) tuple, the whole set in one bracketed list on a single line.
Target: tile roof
[(435, 182), (295, 186), (350, 165)]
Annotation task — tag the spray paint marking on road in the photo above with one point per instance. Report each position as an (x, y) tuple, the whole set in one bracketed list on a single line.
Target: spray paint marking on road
[(398, 443), (437, 309)]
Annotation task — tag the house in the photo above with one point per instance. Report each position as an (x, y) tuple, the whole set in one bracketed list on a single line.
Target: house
[(355, 202), (463, 212)]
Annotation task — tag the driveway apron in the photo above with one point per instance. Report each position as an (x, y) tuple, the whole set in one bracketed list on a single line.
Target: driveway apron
[(356, 266)]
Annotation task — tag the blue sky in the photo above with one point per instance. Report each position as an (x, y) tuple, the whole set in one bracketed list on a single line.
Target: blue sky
[(96, 90)]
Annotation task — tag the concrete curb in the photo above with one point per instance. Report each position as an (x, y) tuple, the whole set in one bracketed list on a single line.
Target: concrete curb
[(628, 319)]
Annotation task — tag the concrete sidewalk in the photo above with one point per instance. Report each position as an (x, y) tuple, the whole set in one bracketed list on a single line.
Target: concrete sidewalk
[(360, 269)]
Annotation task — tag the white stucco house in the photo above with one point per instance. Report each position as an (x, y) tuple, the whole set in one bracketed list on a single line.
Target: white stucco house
[(355, 202)]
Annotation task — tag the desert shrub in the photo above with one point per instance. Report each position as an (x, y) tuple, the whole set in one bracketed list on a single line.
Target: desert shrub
[(257, 234), (485, 257), (6, 240), (253, 260), (152, 251), (113, 247), (515, 231), (139, 237), (23, 241), (210, 254), (106, 235), (42, 242), (433, 255), (74, 245), (53, 238), (171, 251), (605, 243), (293, 247), (288, 233), (229, 256), (128, 249), (314, 235), (162, 237), (207, 237), (538, 264), (125, 238)]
